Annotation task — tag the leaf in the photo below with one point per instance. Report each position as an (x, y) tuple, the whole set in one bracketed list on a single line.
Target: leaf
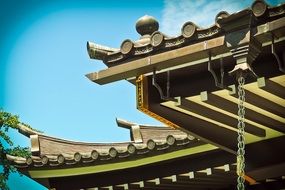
[(8, 121)]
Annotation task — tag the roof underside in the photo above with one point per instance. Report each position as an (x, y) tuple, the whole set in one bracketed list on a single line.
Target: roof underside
[(184, 82)]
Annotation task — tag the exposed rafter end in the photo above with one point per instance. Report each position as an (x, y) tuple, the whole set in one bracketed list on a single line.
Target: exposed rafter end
[(271, 87), (206, 111), (124, 186), (156, 181), (204, 94), (178, 101), (92, 76), (139, 184)]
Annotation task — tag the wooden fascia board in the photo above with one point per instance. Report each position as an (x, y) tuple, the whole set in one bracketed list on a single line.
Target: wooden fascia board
[(275, 27), (160, 61), (160, 170), (185, 55), (256, 157), (49, 173)]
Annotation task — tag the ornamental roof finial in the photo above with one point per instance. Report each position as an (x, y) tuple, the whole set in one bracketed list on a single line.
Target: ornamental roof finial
[(146, 25)]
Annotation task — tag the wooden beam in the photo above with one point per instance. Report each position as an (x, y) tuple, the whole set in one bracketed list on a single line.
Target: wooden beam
[(265, 103), (272, 87), (200, 128), (207, 132), (280, 80), (263, 99), (251, 114), (225, 119), (160, 61)]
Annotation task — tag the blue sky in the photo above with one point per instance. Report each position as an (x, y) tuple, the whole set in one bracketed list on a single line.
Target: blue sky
[(43, 60)]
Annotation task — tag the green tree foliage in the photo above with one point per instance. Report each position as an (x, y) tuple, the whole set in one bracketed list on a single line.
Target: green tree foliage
[(9, 121)]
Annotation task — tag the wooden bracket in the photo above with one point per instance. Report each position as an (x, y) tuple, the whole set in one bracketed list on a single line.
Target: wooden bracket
[(280, 65), (219, 84)]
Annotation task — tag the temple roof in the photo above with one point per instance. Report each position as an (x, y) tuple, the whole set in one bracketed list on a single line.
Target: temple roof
[(193, 46), (188, 83), (54, 157), (145, 140), (153, 41)]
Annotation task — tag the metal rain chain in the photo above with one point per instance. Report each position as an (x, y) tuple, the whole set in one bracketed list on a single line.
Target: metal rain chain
[(241, 138)]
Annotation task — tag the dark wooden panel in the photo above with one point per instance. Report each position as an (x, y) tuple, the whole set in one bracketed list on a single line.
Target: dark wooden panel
[(274, 185), (272, 171)]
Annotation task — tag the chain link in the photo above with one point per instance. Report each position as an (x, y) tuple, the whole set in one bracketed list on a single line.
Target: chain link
[(241, 138)]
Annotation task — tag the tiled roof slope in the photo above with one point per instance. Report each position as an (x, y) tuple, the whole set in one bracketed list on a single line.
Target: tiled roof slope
[(146, 140)]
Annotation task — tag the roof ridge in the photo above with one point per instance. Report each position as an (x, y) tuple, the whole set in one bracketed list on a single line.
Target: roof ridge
[(27, 131)]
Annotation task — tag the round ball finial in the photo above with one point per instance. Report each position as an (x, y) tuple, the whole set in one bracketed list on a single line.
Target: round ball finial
[(147, 25), (259, 8)]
